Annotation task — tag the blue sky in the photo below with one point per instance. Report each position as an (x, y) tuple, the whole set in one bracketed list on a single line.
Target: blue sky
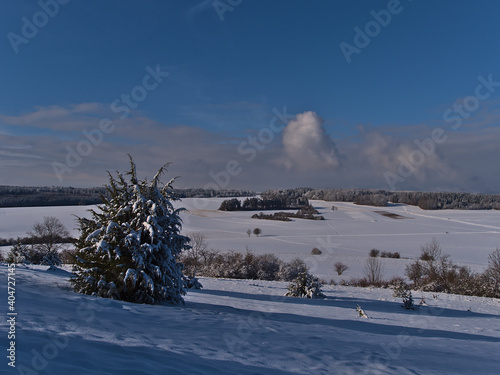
[(225, 69)]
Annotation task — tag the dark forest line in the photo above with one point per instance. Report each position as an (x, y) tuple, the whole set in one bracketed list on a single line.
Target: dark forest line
[(35, 196), (32, 196)]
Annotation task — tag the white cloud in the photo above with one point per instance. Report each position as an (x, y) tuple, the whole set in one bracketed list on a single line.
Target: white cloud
[(307, 145)]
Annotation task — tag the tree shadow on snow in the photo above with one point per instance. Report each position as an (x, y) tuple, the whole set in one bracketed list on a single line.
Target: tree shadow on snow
[(369, 326), (351, 302)]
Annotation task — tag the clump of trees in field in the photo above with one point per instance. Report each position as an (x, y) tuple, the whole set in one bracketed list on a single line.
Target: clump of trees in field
[(306, 212), (270, 202), (384, 254)]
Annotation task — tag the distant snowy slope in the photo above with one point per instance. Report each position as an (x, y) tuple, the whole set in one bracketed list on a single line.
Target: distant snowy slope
[(347, 234), (248, 327)]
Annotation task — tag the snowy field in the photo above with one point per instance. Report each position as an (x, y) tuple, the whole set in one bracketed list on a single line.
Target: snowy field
[(347, 234), (241, 327), (249, 327)]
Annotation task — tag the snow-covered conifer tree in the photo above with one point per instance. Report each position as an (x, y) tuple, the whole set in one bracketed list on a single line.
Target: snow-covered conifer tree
[(305, 285), (128, 249)]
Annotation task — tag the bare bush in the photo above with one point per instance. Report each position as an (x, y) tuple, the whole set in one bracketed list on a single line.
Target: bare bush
[(48, 237), (193, 257), (374, 253), (373, 270), (340, 268), (415, 272), (431, 251), (493, 271), (243, 266), (437, 273)]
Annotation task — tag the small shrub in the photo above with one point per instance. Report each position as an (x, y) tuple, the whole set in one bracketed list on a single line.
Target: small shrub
[(249, 232), (306, 286), (374, 253), (431, 251), (13, 257), (21, 253), (388, 254), (267, 266), (340, 268), (316, 251), (257, 231), (361, 283), (395, 281), (192, 282), (399, 290), (361, 312), (290, 271), (408, 301)]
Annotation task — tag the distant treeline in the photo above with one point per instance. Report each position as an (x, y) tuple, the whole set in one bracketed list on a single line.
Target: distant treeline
[(279, 199), (32, 240), (372, 197), (211, 193), (269, 202), (307, 212), (31, 196)]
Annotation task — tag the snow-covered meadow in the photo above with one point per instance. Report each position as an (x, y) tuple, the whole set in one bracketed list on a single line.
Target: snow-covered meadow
[(347, 234), (249, 327)]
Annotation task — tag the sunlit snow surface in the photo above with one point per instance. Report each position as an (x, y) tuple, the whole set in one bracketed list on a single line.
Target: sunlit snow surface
[(347, 234)]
